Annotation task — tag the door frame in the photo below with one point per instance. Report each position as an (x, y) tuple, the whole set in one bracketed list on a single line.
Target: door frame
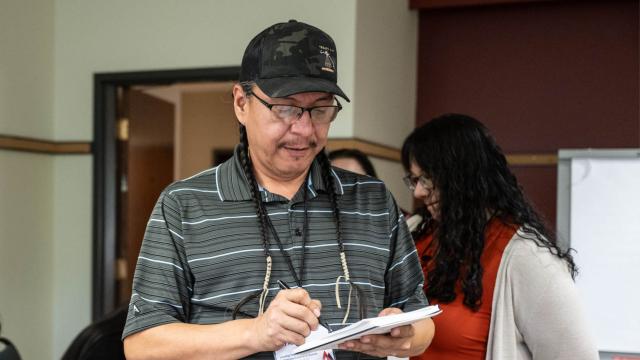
[(105, 180)]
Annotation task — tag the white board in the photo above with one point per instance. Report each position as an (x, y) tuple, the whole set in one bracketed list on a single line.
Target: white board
[(605, 231)]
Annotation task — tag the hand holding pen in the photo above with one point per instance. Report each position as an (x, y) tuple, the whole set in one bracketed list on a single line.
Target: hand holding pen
[(284, 286), (288, 319)]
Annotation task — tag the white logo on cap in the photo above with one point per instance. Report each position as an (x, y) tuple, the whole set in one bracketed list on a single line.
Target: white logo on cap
[(329, 65)]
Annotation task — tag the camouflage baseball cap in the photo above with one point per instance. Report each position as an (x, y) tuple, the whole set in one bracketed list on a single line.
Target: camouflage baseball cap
[(291, 58)]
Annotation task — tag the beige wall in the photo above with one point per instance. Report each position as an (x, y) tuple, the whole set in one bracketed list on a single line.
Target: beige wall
[(391, 173), (26, 203), (207, 122), (26, 187), (26, 67), (385, 71), (50, 51)]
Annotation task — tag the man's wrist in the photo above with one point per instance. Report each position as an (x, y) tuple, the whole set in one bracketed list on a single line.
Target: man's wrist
[(249, 336)]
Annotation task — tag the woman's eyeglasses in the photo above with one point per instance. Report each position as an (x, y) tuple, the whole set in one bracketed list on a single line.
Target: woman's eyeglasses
[(411, 181)]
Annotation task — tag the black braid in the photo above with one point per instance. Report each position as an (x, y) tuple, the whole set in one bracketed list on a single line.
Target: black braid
[(325, 165), (262, 214)]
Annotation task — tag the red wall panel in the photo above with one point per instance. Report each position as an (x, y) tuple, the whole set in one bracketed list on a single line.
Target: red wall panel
[(541, 76)]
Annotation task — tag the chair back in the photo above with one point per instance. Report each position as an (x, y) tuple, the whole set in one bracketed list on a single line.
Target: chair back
[(7, 350)]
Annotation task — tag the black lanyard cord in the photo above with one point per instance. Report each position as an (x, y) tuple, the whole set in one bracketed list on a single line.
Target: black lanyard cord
[(286, 256)]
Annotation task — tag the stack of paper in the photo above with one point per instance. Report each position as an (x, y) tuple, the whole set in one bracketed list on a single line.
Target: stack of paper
[(370, 326)]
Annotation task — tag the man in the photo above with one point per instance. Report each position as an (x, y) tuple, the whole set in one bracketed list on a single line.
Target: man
[(217, 243)]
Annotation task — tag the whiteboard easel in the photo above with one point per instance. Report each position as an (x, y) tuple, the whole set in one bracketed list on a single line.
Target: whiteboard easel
[(599, 216)]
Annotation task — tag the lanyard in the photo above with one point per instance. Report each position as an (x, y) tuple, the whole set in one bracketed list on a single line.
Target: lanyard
[(305, 228)]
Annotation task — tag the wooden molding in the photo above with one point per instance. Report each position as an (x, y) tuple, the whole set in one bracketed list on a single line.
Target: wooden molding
[(372, 149), (367, 147), (532, 159), (439, 4), (18, 143), (390, 153)]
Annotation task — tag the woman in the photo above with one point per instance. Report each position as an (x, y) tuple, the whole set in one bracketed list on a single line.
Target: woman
[(505, 287)]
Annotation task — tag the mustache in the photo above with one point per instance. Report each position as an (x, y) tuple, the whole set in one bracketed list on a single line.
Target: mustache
[(311, 144)]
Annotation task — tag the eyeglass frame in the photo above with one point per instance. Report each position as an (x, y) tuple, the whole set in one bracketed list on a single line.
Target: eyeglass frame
[(412, 182), (270, 106)]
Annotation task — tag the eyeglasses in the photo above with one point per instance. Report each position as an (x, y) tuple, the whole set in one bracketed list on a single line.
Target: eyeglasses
[(288, 113), (412, 181)]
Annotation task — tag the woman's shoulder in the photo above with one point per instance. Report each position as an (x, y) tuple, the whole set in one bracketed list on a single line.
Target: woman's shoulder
[(526, 256)]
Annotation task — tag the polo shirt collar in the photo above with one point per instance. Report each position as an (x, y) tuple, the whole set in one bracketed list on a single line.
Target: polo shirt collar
[(232, 184)]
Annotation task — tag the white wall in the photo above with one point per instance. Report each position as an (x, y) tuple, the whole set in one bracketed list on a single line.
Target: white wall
[(384, 97), (73, 237), (391, 173), (121, 35), (26, 203), (26, 191), (26, 67)]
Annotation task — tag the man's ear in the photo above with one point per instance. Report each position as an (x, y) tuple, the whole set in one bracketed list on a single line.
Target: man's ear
[(240, 103)]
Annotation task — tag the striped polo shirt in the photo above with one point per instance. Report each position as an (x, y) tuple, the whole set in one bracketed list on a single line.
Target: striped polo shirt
[(202, 251)]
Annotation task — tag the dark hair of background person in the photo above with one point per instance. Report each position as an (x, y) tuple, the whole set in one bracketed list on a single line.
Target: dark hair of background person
[(356, 154), (100, 340), (8, 350), (470, 171)]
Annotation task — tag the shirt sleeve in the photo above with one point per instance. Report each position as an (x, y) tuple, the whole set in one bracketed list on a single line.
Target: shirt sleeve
[(548, 311), (404, 278), (162, 279)]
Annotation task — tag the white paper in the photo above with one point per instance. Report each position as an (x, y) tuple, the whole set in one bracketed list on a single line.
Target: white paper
[(370, 326), (287, 351)]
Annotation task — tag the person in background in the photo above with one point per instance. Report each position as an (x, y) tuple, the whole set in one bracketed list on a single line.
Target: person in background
[(353, 160), (100, 340), (505, 287), (8, 351), (205, 285)]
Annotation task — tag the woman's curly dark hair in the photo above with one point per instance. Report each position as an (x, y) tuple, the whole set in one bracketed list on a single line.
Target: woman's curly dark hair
[(471, 174)]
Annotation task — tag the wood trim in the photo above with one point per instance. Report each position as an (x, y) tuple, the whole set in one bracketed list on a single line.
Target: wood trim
[(390, 153), (532, 159), (370, 148), (19, 143), (441, 4)]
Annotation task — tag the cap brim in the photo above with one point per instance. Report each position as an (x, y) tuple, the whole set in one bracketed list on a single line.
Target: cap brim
[(286, 86)]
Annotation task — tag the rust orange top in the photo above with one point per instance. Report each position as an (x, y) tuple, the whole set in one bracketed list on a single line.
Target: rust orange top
[(461, 334)]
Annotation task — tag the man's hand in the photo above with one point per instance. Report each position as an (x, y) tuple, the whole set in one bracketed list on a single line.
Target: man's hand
[(396, 343), (290, 317)]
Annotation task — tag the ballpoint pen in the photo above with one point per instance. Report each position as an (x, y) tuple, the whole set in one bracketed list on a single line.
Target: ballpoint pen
[(284, 286)]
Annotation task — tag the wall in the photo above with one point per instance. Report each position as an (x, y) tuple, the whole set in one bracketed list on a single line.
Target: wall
[(385, 73), (384, 98), (541, 76), (26, 67), (391, 172), (208, 122), (26, 200), (26, 188)]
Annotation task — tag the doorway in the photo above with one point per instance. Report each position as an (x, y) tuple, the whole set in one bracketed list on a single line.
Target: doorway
[(150, 129)]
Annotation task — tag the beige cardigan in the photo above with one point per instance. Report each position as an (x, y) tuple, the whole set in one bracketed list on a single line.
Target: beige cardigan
[(536, 310)]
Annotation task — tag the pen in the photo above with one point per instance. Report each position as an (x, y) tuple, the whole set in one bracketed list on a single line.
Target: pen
[(284, 286)]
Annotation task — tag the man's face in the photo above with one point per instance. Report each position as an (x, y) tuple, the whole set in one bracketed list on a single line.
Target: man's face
[(279, 150)]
